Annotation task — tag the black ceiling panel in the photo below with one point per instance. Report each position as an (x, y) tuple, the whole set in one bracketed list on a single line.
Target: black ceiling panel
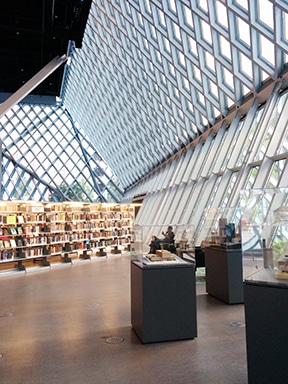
[(32, 33)]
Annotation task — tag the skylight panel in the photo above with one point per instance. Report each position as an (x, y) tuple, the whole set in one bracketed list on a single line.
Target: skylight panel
[(245, 65), (181, 59), (188, 17), (172, 5), (140, 19), (245, 90), (243, 31), (216, 112), (172, 70), (204, 121), (285, 25), (176, 31), (213, 89), (210, 61), (176, 92), (190, 107), (225, 48), (128, 9), (229, 102), (201, 98), (185, 83), (203, 5), (180, 114), (167, 45), (197, 73), (153, 32), (158, 57), (265, 12), (221, 14), (163, 79), (161, 18), (206, 32), (192, 46), (267, 50), (147, 6)]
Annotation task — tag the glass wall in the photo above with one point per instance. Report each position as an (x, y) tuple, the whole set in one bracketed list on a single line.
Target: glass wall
[(252, 154), (47, 157)]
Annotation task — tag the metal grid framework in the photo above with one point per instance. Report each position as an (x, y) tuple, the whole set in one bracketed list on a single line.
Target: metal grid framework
[(152, 76), (205, 181), (47, 157)]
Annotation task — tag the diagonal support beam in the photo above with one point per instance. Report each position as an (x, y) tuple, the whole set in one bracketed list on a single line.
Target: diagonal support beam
[(31, 84), (32, 174)]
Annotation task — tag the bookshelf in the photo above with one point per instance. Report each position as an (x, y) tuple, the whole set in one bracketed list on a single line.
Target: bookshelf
[(41, 231)]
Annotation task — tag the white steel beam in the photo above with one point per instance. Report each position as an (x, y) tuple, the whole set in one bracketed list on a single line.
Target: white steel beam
[(31, 84)]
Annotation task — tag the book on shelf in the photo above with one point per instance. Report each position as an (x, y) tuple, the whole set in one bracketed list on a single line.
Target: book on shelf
[(9, 219), (7, 255), (13, 231), (26, 230), (5, 231), (19, 242), (12, 243), (7, 244), (20, 219), (19, 230)]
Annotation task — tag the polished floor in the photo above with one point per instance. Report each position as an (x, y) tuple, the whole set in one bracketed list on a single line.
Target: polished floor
[(70, 324)]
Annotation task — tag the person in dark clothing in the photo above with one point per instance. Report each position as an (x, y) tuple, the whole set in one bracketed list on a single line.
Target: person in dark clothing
[(154, 245), (169, 235), (168, 240)]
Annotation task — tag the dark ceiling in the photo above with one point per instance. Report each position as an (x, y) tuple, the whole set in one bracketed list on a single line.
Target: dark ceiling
[(32, 33)]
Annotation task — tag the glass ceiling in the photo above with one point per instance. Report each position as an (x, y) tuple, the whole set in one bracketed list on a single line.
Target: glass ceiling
[(153, 75), (46, 157)]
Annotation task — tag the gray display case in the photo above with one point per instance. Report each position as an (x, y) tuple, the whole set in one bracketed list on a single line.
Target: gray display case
[(163, 287), (223, 256), (173, 251), (163, 302), (224, 279), (264, 233), (221, 227)]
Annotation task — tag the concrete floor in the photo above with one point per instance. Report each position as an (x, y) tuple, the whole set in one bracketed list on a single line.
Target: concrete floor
[(55, 325)]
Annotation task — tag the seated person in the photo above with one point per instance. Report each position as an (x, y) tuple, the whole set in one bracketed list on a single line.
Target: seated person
[(165, 243), (154, 245), (169, 235)]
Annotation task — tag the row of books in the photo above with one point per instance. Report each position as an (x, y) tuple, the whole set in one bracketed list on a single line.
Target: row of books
[(14, 231), (30, 252), (36, 229), (17, 243), (27, 241), (6, 255), (11, 255), (21, 242)]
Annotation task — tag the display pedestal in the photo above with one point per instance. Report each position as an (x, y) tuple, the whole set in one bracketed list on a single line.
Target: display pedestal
[(199, 257), (266, 316), (224, 276), (163, 302)]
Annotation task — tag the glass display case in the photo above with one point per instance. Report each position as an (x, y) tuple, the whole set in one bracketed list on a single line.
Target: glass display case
[(264, 234), (223, 257), (163, 283), (221, 228), (150, 246)]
